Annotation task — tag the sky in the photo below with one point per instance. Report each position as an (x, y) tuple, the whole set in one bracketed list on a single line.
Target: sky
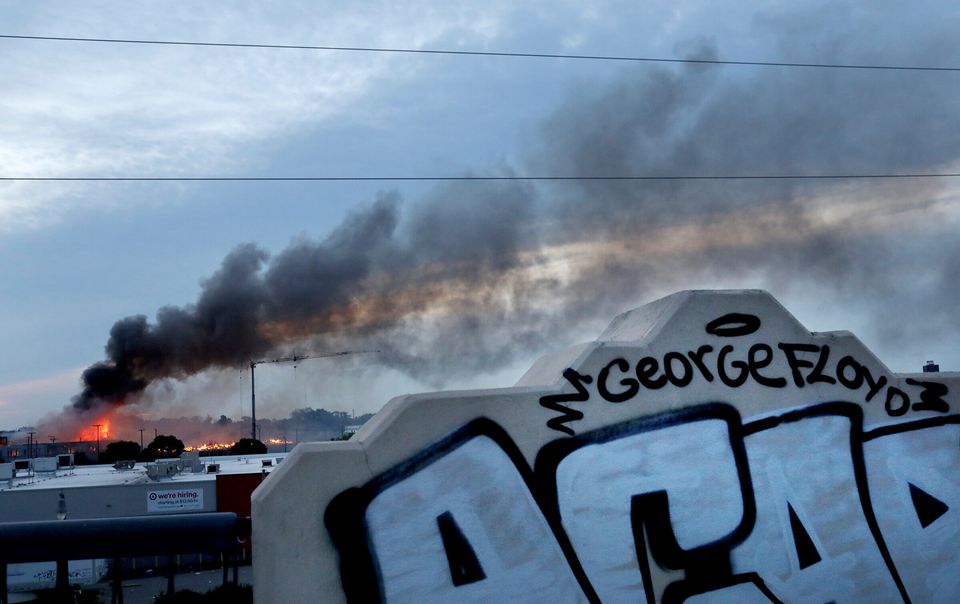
[(156, 295)]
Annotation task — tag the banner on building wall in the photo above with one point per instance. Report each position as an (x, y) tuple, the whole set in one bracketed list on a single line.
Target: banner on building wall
[(174, 500)]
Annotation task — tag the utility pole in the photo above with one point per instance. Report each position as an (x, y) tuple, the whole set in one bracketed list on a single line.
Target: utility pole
[(97, 426), (141, 438), (30, 445), (253, 401), (293, 359)]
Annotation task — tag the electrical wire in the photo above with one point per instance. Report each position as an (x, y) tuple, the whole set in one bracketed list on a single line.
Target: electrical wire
[(473, 178), (477, 178), (481, 53)]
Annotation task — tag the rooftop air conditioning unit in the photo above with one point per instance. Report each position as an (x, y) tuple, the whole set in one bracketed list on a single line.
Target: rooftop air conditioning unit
[(125, 464), (267, 463), (6, 471), (213, 468), (65, 460), (163, 469), (45, 464)]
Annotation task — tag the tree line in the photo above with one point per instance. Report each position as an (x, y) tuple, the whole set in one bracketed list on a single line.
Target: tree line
[(167, 445), (303, 424)]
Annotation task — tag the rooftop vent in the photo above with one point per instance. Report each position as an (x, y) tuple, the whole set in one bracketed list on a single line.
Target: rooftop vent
[(931, 367), (125, 464), (267, 463), (213, 468)]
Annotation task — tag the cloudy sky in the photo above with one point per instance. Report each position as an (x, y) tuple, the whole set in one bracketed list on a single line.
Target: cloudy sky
[(164, 290)]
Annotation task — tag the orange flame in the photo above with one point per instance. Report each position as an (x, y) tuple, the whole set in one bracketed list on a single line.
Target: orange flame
[(210, 446), (90, 433)]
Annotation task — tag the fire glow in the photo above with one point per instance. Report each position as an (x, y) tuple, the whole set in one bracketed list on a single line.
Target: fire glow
[(211, 446), (90, 434), (203, 434), (215, 446)]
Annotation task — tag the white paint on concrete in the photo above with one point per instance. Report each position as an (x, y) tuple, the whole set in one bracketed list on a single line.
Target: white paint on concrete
[(930, 460), (692, 462), (807, 464), (479, 485)]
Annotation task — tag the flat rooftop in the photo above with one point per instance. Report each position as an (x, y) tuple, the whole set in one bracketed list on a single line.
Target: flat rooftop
[(107, 475)]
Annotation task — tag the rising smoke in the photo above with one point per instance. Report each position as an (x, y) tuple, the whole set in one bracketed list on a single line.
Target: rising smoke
[(472, 275)]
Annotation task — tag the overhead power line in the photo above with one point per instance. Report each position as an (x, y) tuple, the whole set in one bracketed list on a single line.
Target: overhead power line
[(471, 178), (481, 53)]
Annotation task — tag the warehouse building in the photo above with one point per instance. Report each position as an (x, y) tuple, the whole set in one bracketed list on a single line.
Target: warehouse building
[(53, 488)]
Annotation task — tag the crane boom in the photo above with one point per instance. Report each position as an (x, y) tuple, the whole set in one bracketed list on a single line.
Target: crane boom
[(292, 359)]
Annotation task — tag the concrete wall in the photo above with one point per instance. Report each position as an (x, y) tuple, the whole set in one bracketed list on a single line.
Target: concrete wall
[(706, 448)]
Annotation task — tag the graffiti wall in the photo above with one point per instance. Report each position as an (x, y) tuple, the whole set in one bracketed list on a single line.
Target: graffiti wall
[(706, 448)]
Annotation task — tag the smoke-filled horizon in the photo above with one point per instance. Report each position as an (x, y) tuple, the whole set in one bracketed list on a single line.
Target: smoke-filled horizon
[(473, 275), (304, 423)]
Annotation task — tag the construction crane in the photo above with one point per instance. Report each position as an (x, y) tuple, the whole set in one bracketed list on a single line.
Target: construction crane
[(295, 358)]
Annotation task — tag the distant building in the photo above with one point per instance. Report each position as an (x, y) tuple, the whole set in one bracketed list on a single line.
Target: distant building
[(18, 445), (50, 488)]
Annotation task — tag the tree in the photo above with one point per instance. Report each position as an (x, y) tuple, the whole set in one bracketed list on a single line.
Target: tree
[(163, 446), (118, 450), (248, 446)]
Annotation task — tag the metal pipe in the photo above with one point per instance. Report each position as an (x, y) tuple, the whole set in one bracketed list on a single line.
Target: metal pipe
[(3, 583), (63, 581), (171, 589), (124, 537), (116, 595)]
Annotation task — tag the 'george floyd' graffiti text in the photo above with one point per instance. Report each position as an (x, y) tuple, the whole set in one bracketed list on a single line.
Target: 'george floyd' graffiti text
[(620, 380)]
